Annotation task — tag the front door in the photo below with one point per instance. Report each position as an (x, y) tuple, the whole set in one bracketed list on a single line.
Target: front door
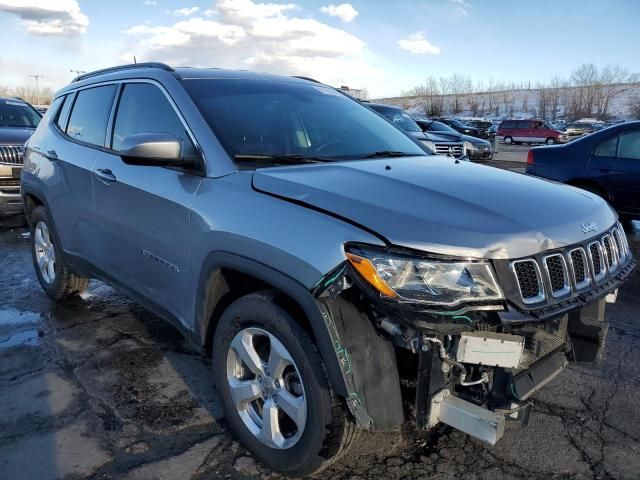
[(142, 213)]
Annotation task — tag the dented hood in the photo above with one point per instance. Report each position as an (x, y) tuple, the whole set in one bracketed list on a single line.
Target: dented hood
[(439, 205)]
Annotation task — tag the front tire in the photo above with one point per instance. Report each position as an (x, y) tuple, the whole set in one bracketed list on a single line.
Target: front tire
[(53, 273), (550, 141), (274, 390)]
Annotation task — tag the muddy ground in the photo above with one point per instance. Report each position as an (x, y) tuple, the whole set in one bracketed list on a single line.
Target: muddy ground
[(100, 388)]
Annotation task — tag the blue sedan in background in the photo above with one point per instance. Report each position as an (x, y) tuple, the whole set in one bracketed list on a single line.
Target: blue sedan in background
[(606, 162)]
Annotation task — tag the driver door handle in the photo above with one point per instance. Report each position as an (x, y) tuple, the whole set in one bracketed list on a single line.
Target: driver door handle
[(105, 175)]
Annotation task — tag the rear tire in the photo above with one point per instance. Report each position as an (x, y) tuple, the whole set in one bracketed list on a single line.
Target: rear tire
[(52, 271), (508, 140), (255, 327)]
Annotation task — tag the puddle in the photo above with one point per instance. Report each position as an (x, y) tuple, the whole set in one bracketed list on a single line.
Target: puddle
[(29, 338), (16, 317)]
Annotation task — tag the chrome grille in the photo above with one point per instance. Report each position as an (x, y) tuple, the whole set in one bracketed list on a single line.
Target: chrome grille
[(568, 271), (611, 257), (449, 149), (597, 260), (558, 275), (529, 280), (11, 154), (579, 267)]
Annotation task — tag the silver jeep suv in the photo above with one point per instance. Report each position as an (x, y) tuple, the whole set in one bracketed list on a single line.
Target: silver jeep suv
[(340, 276)]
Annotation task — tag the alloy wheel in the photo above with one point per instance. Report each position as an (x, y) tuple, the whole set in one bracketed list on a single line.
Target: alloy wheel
[(45, 252), (266, 388)]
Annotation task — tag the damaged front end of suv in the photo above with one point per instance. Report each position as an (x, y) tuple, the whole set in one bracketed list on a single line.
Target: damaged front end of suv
[(466, 342)]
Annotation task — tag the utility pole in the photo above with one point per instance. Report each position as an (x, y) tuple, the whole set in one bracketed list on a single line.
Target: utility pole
[(36, 77), (78, 72)]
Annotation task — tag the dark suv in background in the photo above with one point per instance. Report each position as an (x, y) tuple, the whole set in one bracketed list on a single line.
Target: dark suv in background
[(463, 128), (440, 144), (18, 121)]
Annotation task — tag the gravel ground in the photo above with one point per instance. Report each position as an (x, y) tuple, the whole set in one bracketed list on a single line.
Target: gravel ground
[(100, 388)]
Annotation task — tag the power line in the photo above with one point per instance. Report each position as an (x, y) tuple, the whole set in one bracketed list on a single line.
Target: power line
[(36, 77)]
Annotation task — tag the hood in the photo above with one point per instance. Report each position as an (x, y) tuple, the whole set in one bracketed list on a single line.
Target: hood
[(15, 135), (439, 205), (474, 140), (435, 137)]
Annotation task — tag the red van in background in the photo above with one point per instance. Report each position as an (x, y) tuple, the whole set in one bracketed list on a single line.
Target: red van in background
[(529, 131)]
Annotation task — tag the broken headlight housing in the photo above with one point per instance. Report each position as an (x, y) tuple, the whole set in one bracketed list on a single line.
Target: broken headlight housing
[(432, 281)]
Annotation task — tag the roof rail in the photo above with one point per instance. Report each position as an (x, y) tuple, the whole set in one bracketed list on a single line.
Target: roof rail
[(123, 67), (306, 78)]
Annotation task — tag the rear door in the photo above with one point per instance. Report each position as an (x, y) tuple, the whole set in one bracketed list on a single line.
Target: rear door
[(615, 164), (79, 132), (142, 213)]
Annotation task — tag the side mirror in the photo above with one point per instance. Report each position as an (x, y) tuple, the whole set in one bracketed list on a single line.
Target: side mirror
[(159, 149)]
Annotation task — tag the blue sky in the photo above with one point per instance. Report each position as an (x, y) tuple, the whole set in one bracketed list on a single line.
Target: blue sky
[(384, 46)]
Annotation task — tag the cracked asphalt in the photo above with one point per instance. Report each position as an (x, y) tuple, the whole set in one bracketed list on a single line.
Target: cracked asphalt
[(100, 388)]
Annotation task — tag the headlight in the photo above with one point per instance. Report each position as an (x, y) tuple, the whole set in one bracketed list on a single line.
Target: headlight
[(469, 147), (430, 145), (424, 280)]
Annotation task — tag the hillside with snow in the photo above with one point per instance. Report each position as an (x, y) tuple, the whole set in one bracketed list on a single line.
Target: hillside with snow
[(623, 104)]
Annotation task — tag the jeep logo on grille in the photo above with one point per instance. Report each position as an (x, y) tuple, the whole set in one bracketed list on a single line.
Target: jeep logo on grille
[(589, 227)]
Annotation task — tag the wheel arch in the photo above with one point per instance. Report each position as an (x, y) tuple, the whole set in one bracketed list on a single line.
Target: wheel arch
[(225, 277)]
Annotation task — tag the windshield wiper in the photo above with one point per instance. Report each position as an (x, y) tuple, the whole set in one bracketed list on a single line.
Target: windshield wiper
[(390, 154), (286, 158)]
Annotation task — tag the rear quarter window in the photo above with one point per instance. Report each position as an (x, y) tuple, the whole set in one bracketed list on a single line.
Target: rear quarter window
[(63, 116), (90, 115), (607, 148), (629, 145)]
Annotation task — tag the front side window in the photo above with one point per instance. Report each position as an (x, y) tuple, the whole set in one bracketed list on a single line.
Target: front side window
[(269, 118), (607, 148), (629, 145), (16, 113), (143, 108), (90, 114)]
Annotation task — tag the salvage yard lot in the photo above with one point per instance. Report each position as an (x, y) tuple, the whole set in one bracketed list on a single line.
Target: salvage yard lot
[(100, 388)]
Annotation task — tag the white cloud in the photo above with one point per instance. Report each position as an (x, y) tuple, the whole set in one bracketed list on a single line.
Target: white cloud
[(261, 36), (344, 11), (417, 43), (462, 6), (185, 12), (150, 3), (53, 17)]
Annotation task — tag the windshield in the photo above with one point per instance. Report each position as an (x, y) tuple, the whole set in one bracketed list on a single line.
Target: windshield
[(401, 120), (441, 127), (15, 113), (273, 119)]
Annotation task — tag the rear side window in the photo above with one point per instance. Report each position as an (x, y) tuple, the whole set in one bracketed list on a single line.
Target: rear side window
[(607, 148), (143, 108), (63, 116), (90, 114), (629, 145), (522, 125)]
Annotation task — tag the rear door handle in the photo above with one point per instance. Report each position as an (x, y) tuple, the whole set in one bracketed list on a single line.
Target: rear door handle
[(105, 175), (51, 155)]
